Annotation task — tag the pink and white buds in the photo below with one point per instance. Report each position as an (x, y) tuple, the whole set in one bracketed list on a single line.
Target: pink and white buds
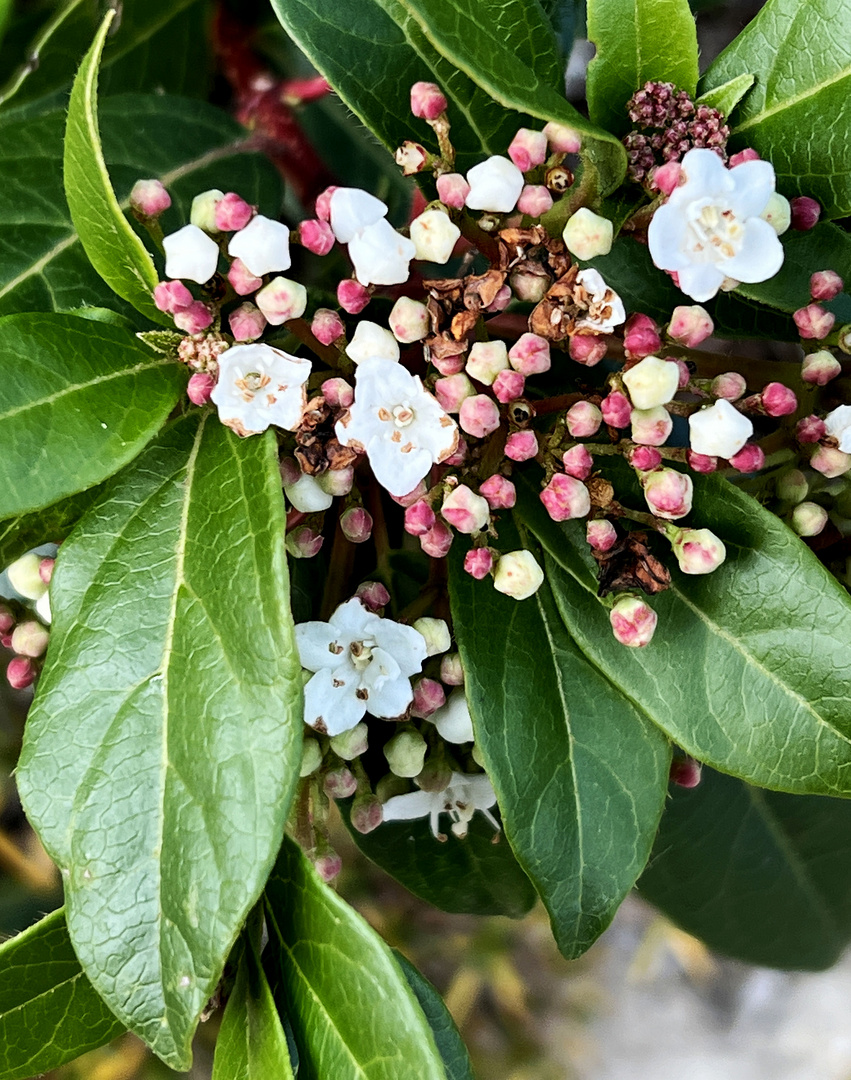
[(528, 149), (652, 382), (701, 463), (327, 327), (588, 349), (419, 518), (246, 322), (583, 420), (616, 409), (719, 431), (30, 638), (340, 783), (808, 519), (243, 281), (304, 542), (508, 386), (805, 213), (651, 427), (193, 319), (308, 495), (566, 498), (202, 212), (521, 445), (409, 320), (356, 524), (810, 429), (778, 400), (730, 386), (578, 462), (149, 198), (478, 416), (337, 393), (436, 634), (21, 672), (633, 621), (830, 462), (199, 388), (263, 246), (453, 391), (690, 326), (434, 235), (451, 670), (25, 576), (327, 865), (777, 212), (813, 321), (350, 744), (698, 551), (518, 575), (644, 458), (486, 359), (534, 200), (641, 336), (530, 355), (427, 100), (172, 296), (281, 300), (562, 139), (233, 213), (449, 365), (668, 493), (685, 772), (190, 254), (601, 534), (437, 541), (495, 185), (588, 235), (352, 296), (666, 178), (452, 190), (464, 510), (429, 696), (323, 203), (750, 459), (499, 492), (749, 154), (825, 285), (371, 341), (411, 157), (820, 367), (478, 563), (373, 595), (315, 235), (336, 482)]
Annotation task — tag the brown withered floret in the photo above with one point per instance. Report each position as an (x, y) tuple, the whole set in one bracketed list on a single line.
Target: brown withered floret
[(630, 565), (565, 306), (317, 446)]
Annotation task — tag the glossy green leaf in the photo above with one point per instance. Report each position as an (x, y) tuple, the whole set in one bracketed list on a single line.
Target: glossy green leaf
[(50, 525), (353, 1013), (750, 666), (49, 1011), (473, 876), (80, 400), (466, 33), (727, 96), (162, 749), (636, 41), (796, 115), (451, 1046), (113, 248), (559, 742), (189, 145), (759, 875)]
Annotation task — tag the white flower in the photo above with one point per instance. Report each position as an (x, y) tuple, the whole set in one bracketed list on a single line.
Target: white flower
[(461, 799), (452, 720), (361, 662), (259, 386), (719, 431), (434, 235), (495, 185), (710, 228), (838, 424), (371, 340), (652, 382), (605, 307), (353, 209), (263, 246), (381, 255), (308, 495), (397, 424), (190, 254)]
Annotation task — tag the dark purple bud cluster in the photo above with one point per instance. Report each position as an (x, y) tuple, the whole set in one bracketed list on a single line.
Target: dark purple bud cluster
[(667, 125)]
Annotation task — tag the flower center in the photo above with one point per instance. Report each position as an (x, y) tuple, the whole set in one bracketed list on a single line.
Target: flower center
[(403, 415), (250, 383), (716, 232), (361, 653)]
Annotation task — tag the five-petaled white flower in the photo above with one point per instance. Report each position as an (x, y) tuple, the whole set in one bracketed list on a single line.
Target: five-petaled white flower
[(259, 386), (461, 799), (710, 228), (360, 662), (397, 424), (838, 424)]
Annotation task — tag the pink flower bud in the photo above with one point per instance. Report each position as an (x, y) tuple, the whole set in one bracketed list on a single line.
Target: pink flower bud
[(437, 541), (685, 771), (668, 493), (340, 783), (666, 178), (534, 200), (701, 463), (356, 524), (698, 551), (21, 672), (419, 518), (562, 139), (478, 416), (578, 462), (633, 621), (449, 365), (508, 386), (427, 100), (820, 367), (452, 190), (453, 391), (813, 321), (530, 355), (429, 696), (289, 470), (830, 462), (323, 203), (149, 198), (193, 319), (336, 482), (366, 813), (685, 374), (690, 326), (316, 236), (729, 386), (528, 149), (172, 296), (616, 409), (521, 445), (373, 595), (409, 320), (337, 393), (810, 429), (501, 301), (825, 285), (778, 400), (328, 865), (485, 361), (588, 349), (651, 427), (281, 300), (232, 213), (30, 638), (478, 563), (7, 616), (566, 498), (465, 510), (199, 388), (411, 157), (304, 542), (601, 534), (246, 322), (419, 492), (748, 154), (499, 492), (749, 459), (641, 336), (645, 458), (352, 296), (243, 281), (327, 327), (805, 213), (451, 670), (808, 519)]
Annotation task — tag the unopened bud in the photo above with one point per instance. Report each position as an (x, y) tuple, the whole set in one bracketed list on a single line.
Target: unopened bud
[(242, 280), (478, 416), (825, 285), (668, 493), (830, 462), (465, 511), (311, 757), (777, 212), (352, 296), (405, 752), (340, 783), (749, 154), (808, 519), (778, 400), (652, 382), (356, 524), (338, 394), (282, 300), (601, 534), (371, 341), (641, 336), (478, 563), (495, 185), (30, 638), (436, 635), (409, 320), (729, 386), (583, 420), (232, 213), (202, 213), (412, 157), (518, 575), (805, 213), (336, 482), (509, 385), (7, 620), (701, 463), (193, 319), (810, 429), (328, 865), (449, 365), (419, 518), (436, 774), (149, 198), (820, 367), (327, 327), (437, 541), (528, 149), (246, 322), (521, 445), (813, 321), (792, 486), (307, 495), (172, 296), (391, 785), (45, 567), (644, 458), (366, 813), (534, 200), (323, 203), (486, 359), (25, 576), (350, 744), (566, 498), (419, 492), (315, 235), (452, 190), (588, 349), (698, 551), (427, 100), (750, 459), (685, 772), (434, 235), (429, 696), (451, 671), (530, 282), (200, 387), (588, 235), (666, 178), (304, 542), (499, 492), (651, 427), (453, 721), (373, 595), (616, 409), (562, 139), (633, 621), (530, 355), (578, 462), (690, 326), (21, 672), (452, 392)]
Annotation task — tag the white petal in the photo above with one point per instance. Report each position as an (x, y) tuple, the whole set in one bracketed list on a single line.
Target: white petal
[(719, 431), (407, 645), (753, 187), (307, 496), (371, 341), (391, 698), (761, 253), (314, 641), (665, 236), (397, 473), (190, 254), (381, 255), (353, 619), (482, 792), (706, 175), (353, 209), (701, 281), (263, 246), (838, 424), (452, 720), (330, 701), (415, 804)]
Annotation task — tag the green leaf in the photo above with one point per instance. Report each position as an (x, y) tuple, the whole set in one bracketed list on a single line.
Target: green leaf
[(759, 875), (113, 248), (162, 749), (354, 1015), (727, 96), (557, 741), (50, 525), (251, 1043), (636, 41), (473, 876), (451, 1046), (466, 33), (796, 114), (80, 400), (189, 145), (750, 666), (49, 1011)]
